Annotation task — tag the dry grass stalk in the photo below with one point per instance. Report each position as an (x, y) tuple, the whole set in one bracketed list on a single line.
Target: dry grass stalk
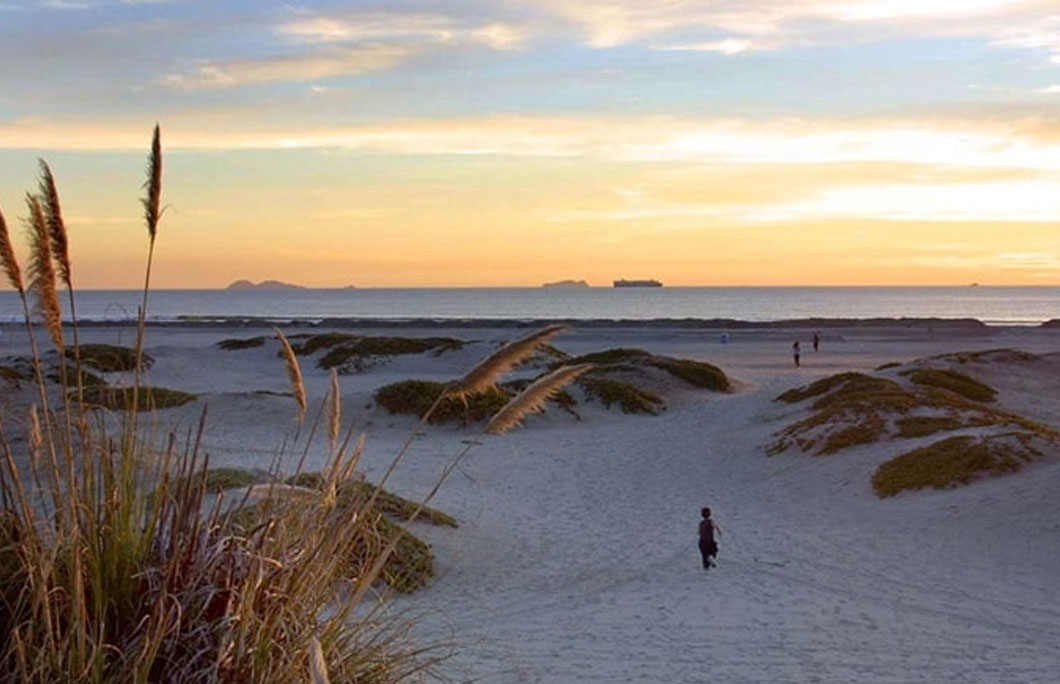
[(294, 374), (335, 413), (8, 261), (153, 185), (317, 665), (485, 375), (42, 273), (533, 398), (53, 215), (36, 439)]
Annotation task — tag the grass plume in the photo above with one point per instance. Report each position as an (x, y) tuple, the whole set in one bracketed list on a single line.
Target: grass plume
[(533, 398), (53, 215), (485, 374), (42, 272), (8, 260), (294, 373), (334, 410), (152, 213), (153, 185), (318, 668)]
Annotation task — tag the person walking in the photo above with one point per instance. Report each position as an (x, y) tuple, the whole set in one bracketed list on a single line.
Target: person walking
[(708, 546), (816, 341), (795, 352)]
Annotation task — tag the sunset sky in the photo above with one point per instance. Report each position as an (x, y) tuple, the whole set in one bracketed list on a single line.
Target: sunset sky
[(470, 143)]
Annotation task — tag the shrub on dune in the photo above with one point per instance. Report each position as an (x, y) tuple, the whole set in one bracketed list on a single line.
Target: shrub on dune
[(954, 381), (416, 397), (109, 358), (235, 344), (624, 394), (955, 461)]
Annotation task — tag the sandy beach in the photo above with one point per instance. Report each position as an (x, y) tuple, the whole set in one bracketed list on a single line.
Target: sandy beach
[(576, 560)]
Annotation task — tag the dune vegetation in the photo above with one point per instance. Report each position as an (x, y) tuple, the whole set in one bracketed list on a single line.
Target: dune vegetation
[(616, 379), (955, 461), (117, 562), (925, 400)]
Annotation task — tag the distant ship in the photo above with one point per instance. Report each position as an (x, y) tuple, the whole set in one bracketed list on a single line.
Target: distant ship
[(637, 283)]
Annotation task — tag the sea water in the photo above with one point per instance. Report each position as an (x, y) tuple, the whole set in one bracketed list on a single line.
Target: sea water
[(991, 305)]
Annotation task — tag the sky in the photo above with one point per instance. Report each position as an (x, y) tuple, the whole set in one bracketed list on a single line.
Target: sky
[(514, 142)]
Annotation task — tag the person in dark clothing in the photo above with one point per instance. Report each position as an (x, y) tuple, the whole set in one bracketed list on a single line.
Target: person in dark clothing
[(795, 352), (708, 546), (816, 341)]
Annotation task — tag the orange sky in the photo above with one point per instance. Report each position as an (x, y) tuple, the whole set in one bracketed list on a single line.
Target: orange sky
[(700, 143)]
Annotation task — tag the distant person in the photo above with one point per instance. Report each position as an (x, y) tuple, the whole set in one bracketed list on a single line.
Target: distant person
[(708, 546), (795, 353), (816, 341), (724, 338)]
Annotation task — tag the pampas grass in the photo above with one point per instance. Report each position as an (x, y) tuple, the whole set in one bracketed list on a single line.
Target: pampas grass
[(42, 273), (533, 398), (335, 410), (53, 215), (318, 668), (485, 374), (119, 566), (153, 185), (8, 261), (294, 374)]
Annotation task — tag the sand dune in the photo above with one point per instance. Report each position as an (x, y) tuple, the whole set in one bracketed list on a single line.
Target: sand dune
[(575, 560)]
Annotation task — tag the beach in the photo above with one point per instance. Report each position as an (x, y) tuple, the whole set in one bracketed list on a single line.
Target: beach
[(575, 559)]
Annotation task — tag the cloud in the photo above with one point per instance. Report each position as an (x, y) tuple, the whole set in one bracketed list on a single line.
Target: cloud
[(718, 26), (1030, 144), (726, 46), (328, 63), (1024, 201), (1041, 35), (396, 26)]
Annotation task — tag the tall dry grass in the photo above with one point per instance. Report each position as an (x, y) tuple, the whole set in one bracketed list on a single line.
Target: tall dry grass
[(118, 566)]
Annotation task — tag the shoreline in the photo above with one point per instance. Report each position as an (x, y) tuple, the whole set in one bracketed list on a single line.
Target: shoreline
[(720, 324)]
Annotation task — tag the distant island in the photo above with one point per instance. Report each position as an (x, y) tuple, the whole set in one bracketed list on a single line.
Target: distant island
[(637, 283), (263, 285), (567, 283)]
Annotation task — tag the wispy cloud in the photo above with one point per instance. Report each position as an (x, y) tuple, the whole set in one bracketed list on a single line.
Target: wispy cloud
[(1023, 201), (726, 46), (392, 26), (995, 144), (327, 63), (720, 26)]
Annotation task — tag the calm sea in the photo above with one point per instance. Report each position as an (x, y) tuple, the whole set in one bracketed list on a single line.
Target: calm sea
[(992, 305)]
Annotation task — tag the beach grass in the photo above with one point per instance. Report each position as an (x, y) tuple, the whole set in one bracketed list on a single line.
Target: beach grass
[(696, 373), (416, 397), (13, 375), (954, 381), (148, 398), (854, 409), (355, 353), (118, 563), (608, 357), (626, 395), (220, 479), (954, 461), (109, 358), (911, 427), (236, 344)]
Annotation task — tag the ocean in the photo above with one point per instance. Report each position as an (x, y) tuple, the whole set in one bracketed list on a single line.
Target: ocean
[(991, 305)]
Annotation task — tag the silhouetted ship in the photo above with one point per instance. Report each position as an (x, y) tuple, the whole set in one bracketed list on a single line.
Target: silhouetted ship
[(637, 283)]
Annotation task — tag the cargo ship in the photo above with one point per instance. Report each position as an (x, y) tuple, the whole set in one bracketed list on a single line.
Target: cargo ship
[(637, 283)]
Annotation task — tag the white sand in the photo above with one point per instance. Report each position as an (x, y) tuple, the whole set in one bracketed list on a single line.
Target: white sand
[(576, 558)]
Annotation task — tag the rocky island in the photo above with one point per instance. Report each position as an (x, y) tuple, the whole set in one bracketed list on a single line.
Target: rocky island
[(566, 283), (263, 285)]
